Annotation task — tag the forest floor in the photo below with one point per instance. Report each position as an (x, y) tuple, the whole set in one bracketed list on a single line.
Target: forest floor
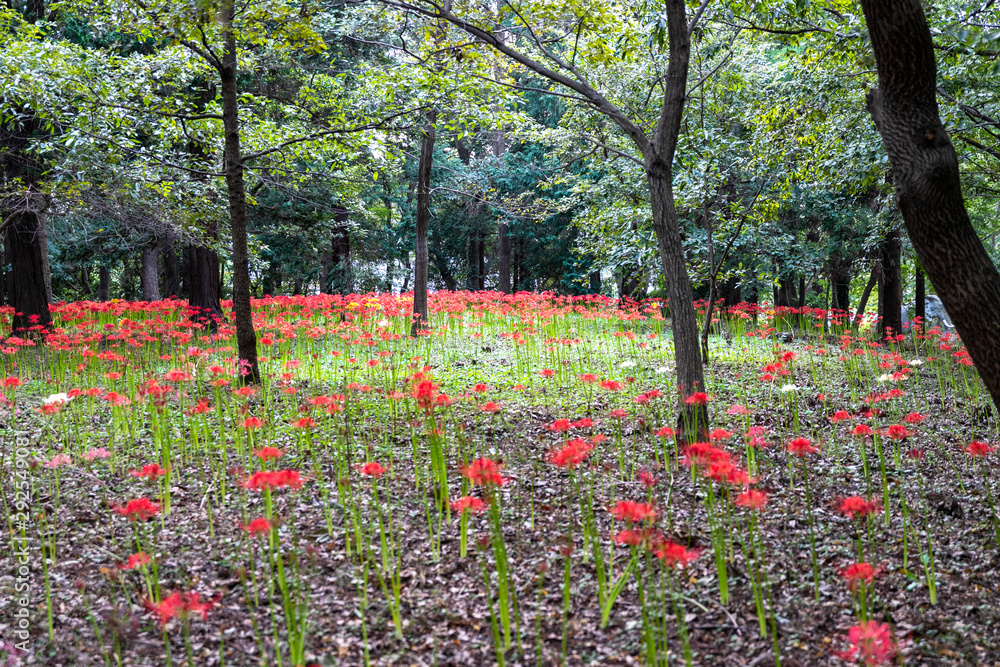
[(333, 602)]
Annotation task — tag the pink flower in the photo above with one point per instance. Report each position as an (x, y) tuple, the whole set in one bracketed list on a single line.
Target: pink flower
[(58, 460), (96, 453)]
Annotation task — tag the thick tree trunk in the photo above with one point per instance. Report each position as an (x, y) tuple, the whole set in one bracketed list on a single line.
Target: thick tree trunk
[(420, 315), (595, 282), (103, 284), (840, 279), (928, 186), (920, 308), (341, 271), (85, 282), (203, 283), (149, 278), (171, 271), (246, 337), (27, 285), (890, 286)]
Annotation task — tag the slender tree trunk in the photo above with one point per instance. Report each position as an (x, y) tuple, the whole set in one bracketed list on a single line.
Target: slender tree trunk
[(866, 294), (890, 286), (103, 284), (150, 275), (928, 185), (246, 337), (27, 285), (503, 259), (420, 315), (920, 307), (128, 279)]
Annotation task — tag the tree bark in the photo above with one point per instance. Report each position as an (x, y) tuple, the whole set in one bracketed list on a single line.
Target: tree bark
[(43, 245), (246, 337), (203, 283), (420, 315), (866, 294), (928, 187), (595, 282), (503, 257), (149, 278), (27, 284), (920, 308), (341, 273), (890, 286), (103, 284), (171, 271)]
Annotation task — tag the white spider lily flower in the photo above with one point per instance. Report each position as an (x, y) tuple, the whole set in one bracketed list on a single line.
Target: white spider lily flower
[(917, 362), (788, 388), (884, 378), (627, 364), (56, 399)]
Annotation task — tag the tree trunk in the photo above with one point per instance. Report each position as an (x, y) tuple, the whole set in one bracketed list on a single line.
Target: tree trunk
[(920, 308), (43, 244), (928, 185), (246, 337), (890, 286), (341, 273), (203, 283), (595, 282), (27, 285), (865, 295), (171, 271), (149, 278), (420, 315), (128, 279), (103, 284), (503, 257)]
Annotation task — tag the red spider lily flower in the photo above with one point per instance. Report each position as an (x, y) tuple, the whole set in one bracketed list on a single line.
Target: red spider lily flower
[(180, 605), (633, 512), (151, 471), (788, 356), (975, 449), (737, 409), (619, 414), (484, 472), (635, 538), (915, 454), (589, 378), (611, 385), (372, 469), (703, 454), (697, 398), (862, 430), (720, 470), (304, 422), (720, 434), (58, 460), (443, 400), (480, 388), (572, 454), (490, 407), (585, 422), (268, 453), (647, 479), (854, 507), (914, 418), (673, 554), (858, 573), (257, 527), (897, 432), (559, 426), (752, 499), (665, 432), (201, 407), (50, 408), (801, 446), (136, 560), (252, 423), (96, 453), (738, 477), (139, 509), (245, 391), (274, 480), (872, 644), (13, 383), (546, 372), (468, 504), (839, 416)]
